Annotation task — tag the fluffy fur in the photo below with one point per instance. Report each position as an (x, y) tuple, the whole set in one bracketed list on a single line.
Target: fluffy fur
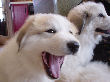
[(79, 68), (20, 59)]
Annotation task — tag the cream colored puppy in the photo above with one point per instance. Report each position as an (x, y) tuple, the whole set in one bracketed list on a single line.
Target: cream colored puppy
[(36, 52), (92, 22)]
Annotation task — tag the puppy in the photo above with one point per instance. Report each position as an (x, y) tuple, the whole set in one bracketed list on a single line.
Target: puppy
[(92, 22), (36, 53)]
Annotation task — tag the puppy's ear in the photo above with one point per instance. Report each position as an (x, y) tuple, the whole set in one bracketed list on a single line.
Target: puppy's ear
[(23, 30), (84, 21), (78, 18)]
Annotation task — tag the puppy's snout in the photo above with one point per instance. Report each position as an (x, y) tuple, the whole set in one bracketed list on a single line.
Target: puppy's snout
[(73, 46)]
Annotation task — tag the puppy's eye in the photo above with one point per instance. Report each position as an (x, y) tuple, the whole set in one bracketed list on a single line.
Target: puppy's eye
[(70, 32), (51, 31), (101, 15)]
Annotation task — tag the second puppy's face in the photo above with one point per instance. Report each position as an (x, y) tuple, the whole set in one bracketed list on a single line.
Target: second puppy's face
[(93, 15)]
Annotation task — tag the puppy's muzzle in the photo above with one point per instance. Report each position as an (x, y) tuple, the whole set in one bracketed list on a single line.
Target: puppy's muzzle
[(73, 46)]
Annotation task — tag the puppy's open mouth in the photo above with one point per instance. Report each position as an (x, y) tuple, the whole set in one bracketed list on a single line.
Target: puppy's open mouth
[(103, 31), (52, 64)]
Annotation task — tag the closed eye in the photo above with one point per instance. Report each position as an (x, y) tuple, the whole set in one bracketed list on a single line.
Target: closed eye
[(51, 31), (101, 15), (71, 32)]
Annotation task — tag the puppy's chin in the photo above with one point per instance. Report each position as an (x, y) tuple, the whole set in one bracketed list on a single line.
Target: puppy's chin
[(52, 64)]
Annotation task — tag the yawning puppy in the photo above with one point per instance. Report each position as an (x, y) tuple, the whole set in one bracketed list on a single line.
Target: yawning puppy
[(36, 53), (92, 22)]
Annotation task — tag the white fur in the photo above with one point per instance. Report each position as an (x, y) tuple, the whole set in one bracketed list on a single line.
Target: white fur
[(79, 68), (24, 63)]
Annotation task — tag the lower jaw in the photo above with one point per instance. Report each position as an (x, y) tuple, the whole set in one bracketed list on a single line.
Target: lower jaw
[(52, 64)]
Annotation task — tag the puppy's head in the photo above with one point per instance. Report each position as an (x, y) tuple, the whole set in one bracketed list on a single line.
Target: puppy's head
[(50, 37), (90, 16)]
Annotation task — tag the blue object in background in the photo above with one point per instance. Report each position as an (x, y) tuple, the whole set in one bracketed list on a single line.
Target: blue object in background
[(43, 6)]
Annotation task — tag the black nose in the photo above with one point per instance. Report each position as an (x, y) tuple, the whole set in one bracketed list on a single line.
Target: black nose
[(73, 46)]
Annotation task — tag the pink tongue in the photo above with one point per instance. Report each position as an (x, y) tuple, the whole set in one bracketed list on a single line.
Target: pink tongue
[(55, 63)]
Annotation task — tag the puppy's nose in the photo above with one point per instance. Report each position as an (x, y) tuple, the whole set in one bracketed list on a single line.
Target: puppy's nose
[(73, 46)]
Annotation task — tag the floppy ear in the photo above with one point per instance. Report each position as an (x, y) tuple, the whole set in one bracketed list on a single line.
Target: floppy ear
[(23, 30), (84, 21), (78, 18)]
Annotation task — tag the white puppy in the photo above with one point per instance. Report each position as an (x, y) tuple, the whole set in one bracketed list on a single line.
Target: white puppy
[(39, 47), (92, 22)]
